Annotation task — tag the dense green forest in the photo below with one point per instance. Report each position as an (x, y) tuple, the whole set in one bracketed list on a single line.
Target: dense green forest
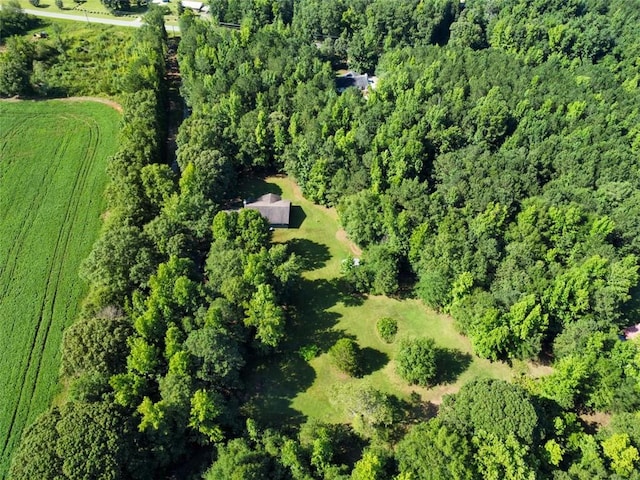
[(492, 172)]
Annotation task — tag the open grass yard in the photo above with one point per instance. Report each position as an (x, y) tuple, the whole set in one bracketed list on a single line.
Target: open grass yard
[(52, 177), (288, 389)]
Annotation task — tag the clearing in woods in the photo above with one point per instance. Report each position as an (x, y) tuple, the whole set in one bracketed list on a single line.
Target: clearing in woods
[(288, 389), (52, 178)]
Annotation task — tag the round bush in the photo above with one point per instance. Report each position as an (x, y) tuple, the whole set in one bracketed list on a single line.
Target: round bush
[(387, 329), (416, 361), (345, 355)]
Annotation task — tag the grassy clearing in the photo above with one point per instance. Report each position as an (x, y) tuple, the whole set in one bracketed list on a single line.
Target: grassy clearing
[(81, 59), (289, 389), (52, 175)]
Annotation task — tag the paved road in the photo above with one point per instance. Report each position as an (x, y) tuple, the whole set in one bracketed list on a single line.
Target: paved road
[(78, 17)]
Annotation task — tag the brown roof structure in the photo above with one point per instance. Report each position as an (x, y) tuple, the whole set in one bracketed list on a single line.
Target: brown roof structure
[(273, 208)]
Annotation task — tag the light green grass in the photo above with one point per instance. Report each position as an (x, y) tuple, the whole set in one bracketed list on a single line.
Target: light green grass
[(287, 388), (93, 8), (96, 9), (52, 177)]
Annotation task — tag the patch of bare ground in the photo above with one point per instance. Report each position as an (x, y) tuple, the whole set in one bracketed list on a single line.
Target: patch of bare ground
[(537, 370), (596, 419), (341, 235), (111, 103)]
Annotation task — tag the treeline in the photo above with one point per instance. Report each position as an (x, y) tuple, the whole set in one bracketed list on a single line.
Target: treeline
[(91, 436), (181, 297), (490, 429), (357, 30)]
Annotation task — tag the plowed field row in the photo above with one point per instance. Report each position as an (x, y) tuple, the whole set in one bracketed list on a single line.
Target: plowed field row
[(52, 177)]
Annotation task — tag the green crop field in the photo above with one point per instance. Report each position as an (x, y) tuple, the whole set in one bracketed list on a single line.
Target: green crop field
[(290, 389), (52, 177)]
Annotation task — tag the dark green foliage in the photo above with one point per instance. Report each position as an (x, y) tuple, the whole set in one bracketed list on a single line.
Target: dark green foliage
[(601, 373), (13, 20), (119, 260), (373, 412), (345, 354), (77, 441), (238, 461), (416, 361), (36, 456), (16, 65), (361, 215), (96, 345), (387, 328), (218, 357), (433, 451), (309, 352), (495, 407), (365, 30), (247, 229)]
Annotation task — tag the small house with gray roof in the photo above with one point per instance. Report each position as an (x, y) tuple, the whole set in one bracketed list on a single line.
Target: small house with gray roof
[(273, 208)]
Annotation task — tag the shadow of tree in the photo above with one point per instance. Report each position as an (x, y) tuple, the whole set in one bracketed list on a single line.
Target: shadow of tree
[(297, 216), (418, 410), (450, 364), (313, 255), (372, 360), (252, 187), (312, 322), (272, 384), (348, 296)]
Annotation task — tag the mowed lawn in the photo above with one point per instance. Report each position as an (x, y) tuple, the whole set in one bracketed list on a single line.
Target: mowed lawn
[(291, 389), (52, 178)]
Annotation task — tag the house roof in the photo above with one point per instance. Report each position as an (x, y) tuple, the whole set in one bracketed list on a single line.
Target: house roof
[(193, 5), (273, 208), (351, 79)]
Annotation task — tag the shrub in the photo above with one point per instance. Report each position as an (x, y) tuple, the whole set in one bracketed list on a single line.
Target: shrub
[(345, 355), (309, 352), (35, 3), (417, 361), (387, 329)]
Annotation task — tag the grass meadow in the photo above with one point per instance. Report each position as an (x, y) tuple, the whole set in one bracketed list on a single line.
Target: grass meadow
[(290, 389), (52, 177)]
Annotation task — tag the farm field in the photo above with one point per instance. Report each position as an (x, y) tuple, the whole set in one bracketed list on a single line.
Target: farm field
[(290, 389), (52, 177)]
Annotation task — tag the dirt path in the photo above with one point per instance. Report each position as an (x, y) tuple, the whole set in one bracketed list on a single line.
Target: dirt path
[(175, 103), (341, 235), (111, 103)]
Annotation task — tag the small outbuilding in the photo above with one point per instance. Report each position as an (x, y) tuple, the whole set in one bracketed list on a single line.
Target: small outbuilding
[(273, 208), (351, 79), (632, 332), (192, 5)]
